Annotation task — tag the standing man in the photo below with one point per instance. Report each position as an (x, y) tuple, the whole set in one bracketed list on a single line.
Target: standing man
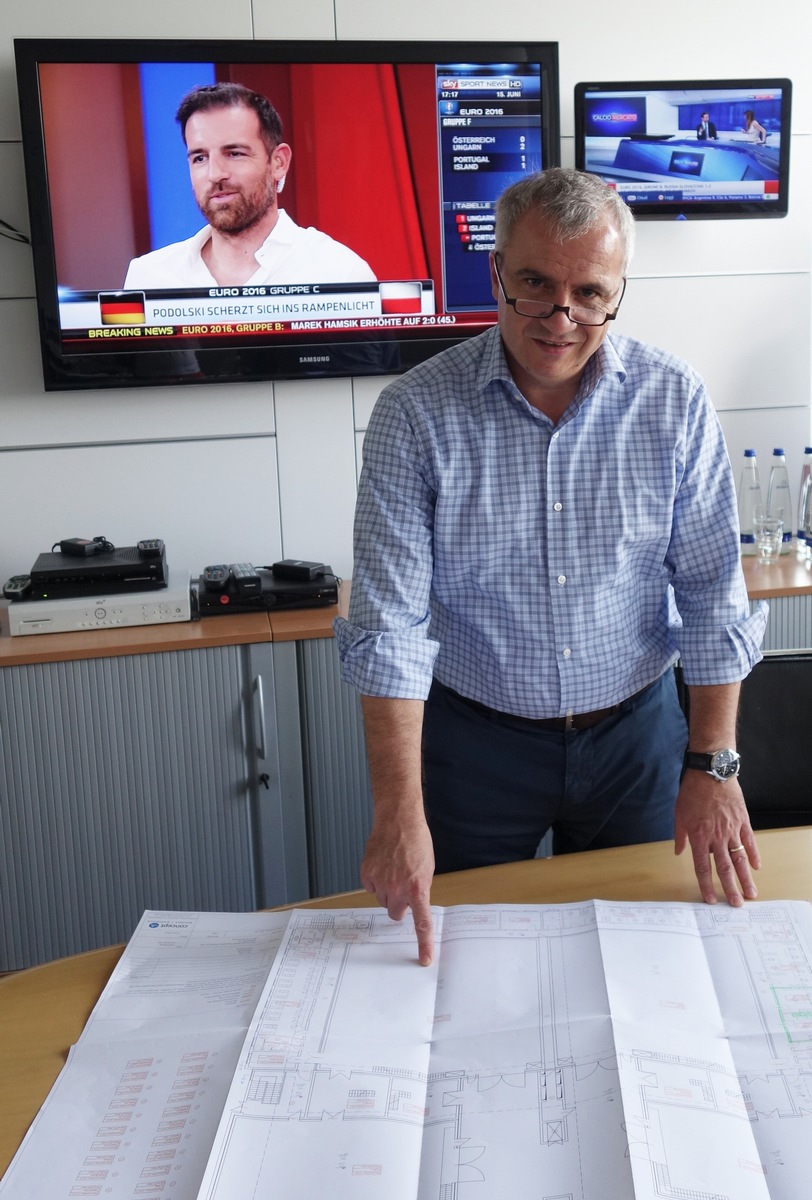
[(546, 522), (238, 163)]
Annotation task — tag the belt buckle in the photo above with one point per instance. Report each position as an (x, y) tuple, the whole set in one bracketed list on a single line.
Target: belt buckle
[(569, 722)]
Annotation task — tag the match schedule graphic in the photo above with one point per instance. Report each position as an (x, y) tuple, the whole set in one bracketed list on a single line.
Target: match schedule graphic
[(489, 135)]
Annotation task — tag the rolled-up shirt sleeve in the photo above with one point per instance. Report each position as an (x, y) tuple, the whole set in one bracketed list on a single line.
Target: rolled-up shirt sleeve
[(384, 645), (716, 634), (714, 654)]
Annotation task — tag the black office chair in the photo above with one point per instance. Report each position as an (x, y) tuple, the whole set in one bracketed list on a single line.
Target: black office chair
[(775, 740)]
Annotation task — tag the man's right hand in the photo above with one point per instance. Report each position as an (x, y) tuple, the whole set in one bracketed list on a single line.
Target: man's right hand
[(398, 864), (397, 868)]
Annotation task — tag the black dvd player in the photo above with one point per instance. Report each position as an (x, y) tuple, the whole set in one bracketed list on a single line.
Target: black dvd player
[(127, 569), (216, 595)]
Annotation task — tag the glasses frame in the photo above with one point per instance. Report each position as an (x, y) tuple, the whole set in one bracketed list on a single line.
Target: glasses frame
[(554, 308)]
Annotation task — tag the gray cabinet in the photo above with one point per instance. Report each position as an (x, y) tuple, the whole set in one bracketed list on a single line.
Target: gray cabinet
[(151, 780), (337, 790)]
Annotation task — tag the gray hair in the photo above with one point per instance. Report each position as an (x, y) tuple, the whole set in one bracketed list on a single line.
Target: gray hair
[(574, 202)]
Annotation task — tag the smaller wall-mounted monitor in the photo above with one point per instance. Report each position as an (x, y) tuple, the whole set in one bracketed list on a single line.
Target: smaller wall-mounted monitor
[(689, 149), (391, 156)]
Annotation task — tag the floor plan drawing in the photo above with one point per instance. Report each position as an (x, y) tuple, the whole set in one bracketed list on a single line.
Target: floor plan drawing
[(591, 1051), (553, 1053)]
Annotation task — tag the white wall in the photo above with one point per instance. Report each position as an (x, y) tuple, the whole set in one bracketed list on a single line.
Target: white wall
[(254, 471)]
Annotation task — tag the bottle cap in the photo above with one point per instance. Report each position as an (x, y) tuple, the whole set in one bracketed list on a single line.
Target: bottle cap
[(749, 454), (778, 451)]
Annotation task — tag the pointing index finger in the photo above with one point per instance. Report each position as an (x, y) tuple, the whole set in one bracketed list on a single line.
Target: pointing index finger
[(424, 928)]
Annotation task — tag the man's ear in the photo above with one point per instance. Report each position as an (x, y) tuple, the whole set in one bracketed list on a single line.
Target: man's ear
[(495, 292), (280, 164)]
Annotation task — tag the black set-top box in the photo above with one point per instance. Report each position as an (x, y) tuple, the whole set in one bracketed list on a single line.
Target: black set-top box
[(125, 569), (222, 589)]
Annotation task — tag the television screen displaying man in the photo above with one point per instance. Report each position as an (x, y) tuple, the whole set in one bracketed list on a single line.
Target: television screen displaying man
[(238, 163)]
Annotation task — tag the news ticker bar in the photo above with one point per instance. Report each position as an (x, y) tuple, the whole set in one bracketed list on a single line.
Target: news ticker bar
[(631, 189), (284, 305), (107, 333)]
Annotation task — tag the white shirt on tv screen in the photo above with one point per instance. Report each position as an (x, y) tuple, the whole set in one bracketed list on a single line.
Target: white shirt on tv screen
[(290, 254)]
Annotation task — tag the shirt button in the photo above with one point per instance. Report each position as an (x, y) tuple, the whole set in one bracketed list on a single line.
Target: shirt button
[(566, 652), (562, 579), (558, 506)]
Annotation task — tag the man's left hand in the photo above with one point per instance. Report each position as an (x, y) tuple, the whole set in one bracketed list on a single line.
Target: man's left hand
[(712, 816)]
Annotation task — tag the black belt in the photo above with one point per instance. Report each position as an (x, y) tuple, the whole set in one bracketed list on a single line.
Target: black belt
[(583, 720)]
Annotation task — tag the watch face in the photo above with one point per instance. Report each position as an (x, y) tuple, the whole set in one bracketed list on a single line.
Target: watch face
[(725, 764)]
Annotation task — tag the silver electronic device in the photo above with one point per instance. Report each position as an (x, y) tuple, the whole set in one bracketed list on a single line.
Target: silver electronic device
[(172, 603)]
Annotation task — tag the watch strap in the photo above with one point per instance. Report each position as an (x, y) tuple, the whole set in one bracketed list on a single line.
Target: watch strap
[(697, 760), (719, 764)]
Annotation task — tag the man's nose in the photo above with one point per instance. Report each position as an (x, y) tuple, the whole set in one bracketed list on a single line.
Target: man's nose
[(559, 319), (218, 167)]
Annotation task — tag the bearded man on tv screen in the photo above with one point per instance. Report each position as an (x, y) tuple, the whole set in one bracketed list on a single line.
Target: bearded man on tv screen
[(238, 163)]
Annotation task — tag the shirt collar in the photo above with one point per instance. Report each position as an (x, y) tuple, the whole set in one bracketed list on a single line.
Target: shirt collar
[(282, 234), (604, 362)]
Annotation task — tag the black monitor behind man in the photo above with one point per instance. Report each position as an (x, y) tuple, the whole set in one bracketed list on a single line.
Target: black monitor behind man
[(238, 162)]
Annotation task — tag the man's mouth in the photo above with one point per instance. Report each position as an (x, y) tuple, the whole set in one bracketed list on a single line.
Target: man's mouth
[(548, 343)]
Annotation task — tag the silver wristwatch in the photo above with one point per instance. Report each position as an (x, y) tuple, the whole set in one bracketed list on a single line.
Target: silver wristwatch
[(721, 764)]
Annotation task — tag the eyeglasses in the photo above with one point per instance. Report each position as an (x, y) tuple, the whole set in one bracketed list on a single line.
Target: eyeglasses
[(579, 314)]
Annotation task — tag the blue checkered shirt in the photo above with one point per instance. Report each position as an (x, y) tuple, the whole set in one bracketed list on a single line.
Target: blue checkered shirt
[(543, 569)]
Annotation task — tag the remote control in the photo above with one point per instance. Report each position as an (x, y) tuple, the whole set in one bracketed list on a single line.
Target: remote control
[(16, 587), (247, 579), (216, 576), (151, 547)]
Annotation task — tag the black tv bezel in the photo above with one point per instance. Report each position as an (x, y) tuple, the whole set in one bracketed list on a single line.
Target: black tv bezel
[(704, 210), (384, 353)]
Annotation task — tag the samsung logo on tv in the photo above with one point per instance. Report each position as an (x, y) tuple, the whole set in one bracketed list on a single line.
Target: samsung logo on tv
[(314, 358)]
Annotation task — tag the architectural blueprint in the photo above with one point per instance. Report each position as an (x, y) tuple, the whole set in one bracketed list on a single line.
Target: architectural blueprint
[(134, 1111), (593, 1051)]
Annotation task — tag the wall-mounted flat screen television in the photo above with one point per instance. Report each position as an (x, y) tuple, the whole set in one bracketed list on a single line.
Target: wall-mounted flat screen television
[(341, 229), (689, 149)]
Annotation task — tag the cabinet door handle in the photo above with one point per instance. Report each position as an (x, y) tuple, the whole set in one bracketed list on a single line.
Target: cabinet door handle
[(262, 751)]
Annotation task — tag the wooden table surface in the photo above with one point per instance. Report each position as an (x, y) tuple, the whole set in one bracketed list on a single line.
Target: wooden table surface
[(43, 1010), (787, 577)]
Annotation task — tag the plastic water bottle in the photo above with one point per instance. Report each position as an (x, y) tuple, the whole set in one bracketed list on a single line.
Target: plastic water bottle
[(805, 523), (749, 501), (779, 497), (806, 473)]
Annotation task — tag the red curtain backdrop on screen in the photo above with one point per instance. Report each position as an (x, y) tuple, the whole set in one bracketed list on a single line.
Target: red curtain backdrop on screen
[(364, 166), (359, 167)]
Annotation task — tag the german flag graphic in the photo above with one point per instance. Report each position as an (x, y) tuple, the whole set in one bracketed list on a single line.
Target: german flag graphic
[(122, 308)]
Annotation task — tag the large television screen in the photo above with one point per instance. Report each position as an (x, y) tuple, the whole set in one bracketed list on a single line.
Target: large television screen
[(689, 149), (374, 178)]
